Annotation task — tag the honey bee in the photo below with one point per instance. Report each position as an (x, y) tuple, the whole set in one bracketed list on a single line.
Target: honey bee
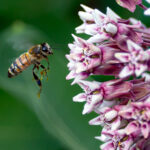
[(33, 56)]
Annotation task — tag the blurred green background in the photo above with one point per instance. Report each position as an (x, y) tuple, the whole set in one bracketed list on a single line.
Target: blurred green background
[(52, 122)]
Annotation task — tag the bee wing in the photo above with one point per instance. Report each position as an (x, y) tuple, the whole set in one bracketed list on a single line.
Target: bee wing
[(58, 46), (12, 59)]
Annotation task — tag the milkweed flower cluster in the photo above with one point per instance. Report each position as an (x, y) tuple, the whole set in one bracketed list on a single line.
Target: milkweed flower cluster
[(119, 48)]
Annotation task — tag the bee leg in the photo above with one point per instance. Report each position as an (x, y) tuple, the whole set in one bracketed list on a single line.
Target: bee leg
[(44, 69), (38, 81)]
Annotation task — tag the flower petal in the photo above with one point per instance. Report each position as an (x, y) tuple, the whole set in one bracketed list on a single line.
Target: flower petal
[(126, 71), (112, 15), (80, 97), (140, 68), (123, 57), (87, 85), (147, 12), (96, 121), (98, 38), (87, 108), (86, 8), (110, 115), (133, 46), (145, 130), (132, 127)]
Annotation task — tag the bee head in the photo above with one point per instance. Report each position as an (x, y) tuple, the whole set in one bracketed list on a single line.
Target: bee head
[(46, 49)]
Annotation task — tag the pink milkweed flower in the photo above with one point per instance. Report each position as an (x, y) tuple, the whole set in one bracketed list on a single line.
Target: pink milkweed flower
[(135, 60), (108, 27), (115, 47), (141, 144), (96, 93), (89, 27), (93, 95), (86, 15), (85, 59), (112, 27), (125, 127), (83, 56), (115, 140), (139, 115), (129, 4), (108, 118)]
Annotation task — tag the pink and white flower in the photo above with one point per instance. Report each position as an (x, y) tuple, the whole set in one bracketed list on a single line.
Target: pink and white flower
[(135, 60), (108, 26), (96, 93), (115, 140), (85, 59), (119, 48), (108, 118), (129, 4), (139, 115)]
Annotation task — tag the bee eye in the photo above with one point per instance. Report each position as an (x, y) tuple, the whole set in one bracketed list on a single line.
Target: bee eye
[(44, 48)]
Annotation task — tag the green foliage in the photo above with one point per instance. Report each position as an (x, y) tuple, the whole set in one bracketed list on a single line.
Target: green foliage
[(57, 113)]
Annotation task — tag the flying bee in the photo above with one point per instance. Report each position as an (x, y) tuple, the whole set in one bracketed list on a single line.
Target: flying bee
[(33, 56)]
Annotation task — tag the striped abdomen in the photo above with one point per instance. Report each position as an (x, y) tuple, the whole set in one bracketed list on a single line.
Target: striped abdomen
[(20, 64)]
